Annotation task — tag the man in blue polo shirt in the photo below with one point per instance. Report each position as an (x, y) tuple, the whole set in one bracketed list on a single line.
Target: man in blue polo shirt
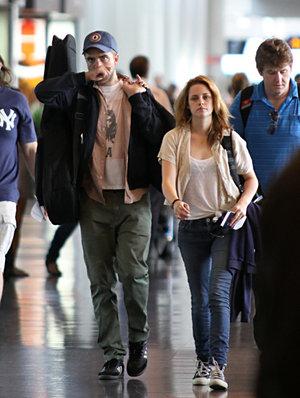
[(16, 128), (272, 131)]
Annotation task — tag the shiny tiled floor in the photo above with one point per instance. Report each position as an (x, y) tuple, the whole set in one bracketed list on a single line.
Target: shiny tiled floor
[(48, 335)]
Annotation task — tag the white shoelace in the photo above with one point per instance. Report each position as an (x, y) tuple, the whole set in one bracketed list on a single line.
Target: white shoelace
[(202, 369), (217, 372)]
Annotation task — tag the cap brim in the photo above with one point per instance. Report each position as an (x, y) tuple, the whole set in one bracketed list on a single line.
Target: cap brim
[(99, 47)]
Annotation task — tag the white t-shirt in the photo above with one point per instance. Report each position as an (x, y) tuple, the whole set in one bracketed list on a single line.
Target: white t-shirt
[(202, 192), (113, 129)]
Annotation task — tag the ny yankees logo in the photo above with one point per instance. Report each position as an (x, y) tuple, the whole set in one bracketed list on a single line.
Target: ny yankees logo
[(8, 119)]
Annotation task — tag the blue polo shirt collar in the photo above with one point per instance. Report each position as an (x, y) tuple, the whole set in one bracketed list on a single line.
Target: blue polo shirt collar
[(259, 91)]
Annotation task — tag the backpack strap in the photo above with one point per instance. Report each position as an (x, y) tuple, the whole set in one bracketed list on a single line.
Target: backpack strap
[(227, 145), (78, 131), (238, 180), (246, 103)]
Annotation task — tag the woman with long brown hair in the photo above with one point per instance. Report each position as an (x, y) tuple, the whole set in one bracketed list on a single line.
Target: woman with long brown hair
[(198, 185)]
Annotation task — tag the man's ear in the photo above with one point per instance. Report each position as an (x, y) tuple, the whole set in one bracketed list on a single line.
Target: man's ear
[(116, 58)]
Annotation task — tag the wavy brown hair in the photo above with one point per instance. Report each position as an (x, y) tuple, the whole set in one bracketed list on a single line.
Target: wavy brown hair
[(5, 73), (274, 52), (220, 115)]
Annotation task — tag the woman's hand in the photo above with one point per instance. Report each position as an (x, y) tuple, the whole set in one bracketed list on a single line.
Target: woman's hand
[(181, 210), (239, 211), (250, 187)]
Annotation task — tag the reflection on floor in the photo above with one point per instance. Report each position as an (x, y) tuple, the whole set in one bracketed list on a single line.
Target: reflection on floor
[(48, 335)]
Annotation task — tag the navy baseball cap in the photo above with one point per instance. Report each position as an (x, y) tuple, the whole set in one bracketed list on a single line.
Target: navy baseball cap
[(104, 41)]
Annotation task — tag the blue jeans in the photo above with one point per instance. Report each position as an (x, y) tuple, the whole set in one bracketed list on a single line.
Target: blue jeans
[(205, 260)]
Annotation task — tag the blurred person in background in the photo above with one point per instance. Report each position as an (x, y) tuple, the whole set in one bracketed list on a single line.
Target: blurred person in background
[(239, 81), (159, 81), (60, 237), (140, 66), (172, 93), (16, 132)]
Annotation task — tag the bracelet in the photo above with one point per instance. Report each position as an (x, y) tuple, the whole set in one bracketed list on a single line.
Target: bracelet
[(174, 201)]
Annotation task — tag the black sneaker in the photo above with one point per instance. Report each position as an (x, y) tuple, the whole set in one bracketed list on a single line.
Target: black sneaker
[(202, 374), (112, 369), (137, 361)]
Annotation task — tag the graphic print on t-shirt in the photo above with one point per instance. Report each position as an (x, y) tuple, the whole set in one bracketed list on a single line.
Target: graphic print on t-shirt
[(111, 131), (7, 120)]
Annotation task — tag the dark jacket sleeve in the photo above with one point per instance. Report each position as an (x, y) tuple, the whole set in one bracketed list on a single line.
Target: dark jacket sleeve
[(149, 123), (151, 119), (59, 92)]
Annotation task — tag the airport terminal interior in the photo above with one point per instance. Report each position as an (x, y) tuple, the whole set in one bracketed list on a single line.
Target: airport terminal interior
[(49, 336)]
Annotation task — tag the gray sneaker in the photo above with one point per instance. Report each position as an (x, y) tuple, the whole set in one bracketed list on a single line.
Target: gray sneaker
[(202, 374), (217, 378)]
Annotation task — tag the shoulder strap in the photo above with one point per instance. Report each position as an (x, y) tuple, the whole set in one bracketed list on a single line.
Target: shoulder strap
[(227, 145), (78, 130), (238, 180), (246, 103)]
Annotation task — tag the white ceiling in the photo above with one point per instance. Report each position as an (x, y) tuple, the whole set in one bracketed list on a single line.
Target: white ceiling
[(276, 8)]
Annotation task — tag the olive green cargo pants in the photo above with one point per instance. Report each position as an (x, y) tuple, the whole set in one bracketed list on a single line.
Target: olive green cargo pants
[(115, 239)]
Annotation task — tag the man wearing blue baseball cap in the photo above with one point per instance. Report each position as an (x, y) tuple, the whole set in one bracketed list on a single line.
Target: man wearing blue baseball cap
[(122, 133)]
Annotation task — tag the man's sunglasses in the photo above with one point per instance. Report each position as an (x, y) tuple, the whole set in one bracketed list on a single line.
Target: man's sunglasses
[(273, 122)]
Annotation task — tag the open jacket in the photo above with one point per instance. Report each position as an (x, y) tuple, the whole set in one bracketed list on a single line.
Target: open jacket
[(149, 122)]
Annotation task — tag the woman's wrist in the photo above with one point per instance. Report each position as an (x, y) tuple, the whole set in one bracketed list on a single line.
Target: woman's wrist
[(244, 200)]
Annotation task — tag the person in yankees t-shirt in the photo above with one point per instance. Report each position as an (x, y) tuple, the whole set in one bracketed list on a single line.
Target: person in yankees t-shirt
[(16, 130)]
